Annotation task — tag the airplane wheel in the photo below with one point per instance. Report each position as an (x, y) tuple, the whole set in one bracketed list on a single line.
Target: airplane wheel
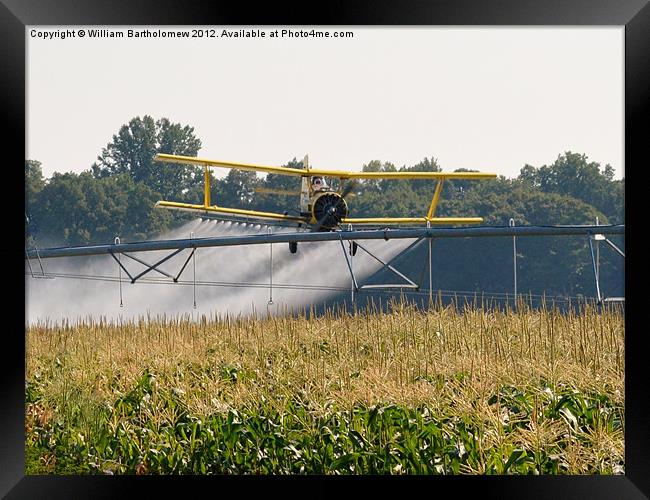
[(293, 246)]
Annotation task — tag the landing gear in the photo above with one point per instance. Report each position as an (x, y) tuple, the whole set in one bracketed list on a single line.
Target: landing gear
[(293, 246)]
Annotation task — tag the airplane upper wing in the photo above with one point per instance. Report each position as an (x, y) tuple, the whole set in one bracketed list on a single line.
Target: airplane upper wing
[(341, 174)]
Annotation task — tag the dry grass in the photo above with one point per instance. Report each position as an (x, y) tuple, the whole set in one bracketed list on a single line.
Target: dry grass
[(368, 358)]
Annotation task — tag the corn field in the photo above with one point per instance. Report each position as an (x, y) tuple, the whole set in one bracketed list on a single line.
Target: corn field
[(395, 390)]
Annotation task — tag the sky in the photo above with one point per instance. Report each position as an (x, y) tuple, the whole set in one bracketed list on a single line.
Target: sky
[(487, 99)]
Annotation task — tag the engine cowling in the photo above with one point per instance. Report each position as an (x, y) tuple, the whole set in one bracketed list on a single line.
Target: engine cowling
[(328, 210)]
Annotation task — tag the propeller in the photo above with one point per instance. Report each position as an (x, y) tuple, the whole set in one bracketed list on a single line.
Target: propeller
[(330, 212), (335, 208)]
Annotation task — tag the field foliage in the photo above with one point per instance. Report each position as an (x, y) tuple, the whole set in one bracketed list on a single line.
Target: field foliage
[(438, 391)]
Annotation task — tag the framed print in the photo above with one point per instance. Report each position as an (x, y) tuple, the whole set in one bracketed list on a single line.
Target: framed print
[(165, 129)]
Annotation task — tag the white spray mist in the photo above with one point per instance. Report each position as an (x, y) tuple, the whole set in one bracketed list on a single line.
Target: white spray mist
[(230, 280)]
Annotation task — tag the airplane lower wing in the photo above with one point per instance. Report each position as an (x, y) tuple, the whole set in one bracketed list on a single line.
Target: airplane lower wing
[(227, 211)]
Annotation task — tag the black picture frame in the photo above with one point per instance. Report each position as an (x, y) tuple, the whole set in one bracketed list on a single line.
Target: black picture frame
[(16, 14)]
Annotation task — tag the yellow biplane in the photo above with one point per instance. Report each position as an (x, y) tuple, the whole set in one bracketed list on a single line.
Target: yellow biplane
[(321, 207)]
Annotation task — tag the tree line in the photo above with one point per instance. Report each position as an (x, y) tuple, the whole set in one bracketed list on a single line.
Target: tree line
[(117, 194)]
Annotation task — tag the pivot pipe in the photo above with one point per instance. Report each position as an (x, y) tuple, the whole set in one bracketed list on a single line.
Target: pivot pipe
[(374, 234)]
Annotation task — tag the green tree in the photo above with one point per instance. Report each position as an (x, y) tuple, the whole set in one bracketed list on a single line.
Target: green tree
[(277, 202), (34, 181), (133, 148), (238, 189), (572, 174), (376, 185), (422, 185), (78, 209), (34, 184)]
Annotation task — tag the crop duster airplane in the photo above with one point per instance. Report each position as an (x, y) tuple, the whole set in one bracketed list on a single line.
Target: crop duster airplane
[(321, 208)]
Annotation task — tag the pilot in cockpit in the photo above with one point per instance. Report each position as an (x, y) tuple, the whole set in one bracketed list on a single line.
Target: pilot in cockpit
[(318, 183)]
